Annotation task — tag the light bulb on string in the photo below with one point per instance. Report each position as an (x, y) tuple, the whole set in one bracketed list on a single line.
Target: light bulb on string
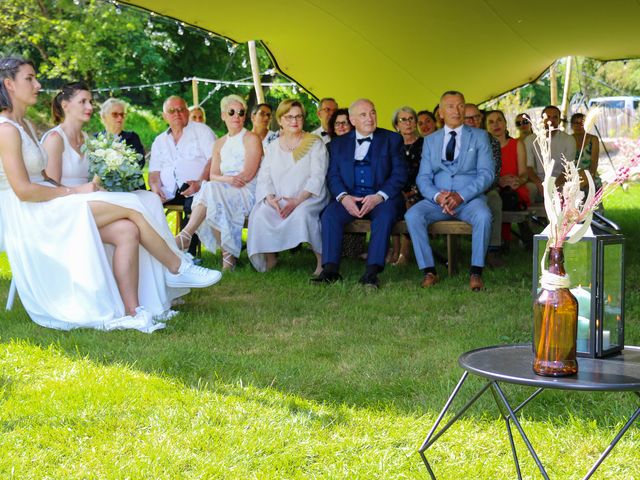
[(207, 42), (294, 89), (150, 22), (118, 9), (231, 48), (180, 29), (244, 63), (76, 2)]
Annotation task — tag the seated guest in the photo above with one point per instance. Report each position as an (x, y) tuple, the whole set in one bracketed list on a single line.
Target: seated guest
[(339, 123), (220, 207), (261, 119), (427, 123), (354, 245), (513, 170), (587, 150), (51, 232), (326, 107), (290, 193), (455, 171), (180, 158), (473, 117), (366, 176), (72, 109), (113, 114), (562, 146), (523, 125), (405, 121), (196, 114)]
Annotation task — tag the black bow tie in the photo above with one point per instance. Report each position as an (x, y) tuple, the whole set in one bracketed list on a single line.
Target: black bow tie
[(324, 134), (362, 140)]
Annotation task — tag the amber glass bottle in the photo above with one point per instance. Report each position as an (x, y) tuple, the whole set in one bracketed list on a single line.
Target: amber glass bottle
[(555, 328)]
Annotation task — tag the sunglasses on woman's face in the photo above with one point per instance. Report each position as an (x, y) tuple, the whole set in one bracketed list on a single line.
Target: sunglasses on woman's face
[(117, 114), (231, 112), (522, 122)]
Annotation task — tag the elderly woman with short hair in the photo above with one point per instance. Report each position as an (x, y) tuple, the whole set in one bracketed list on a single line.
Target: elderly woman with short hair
[(405, 121), (113, 113), (221, 205)]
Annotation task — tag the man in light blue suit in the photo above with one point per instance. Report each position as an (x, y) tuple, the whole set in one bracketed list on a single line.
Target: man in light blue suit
[(455, 171)]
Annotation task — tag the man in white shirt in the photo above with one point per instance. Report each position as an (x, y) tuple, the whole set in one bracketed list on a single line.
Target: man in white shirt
[(326, 108), (180, 158), (561, 144)]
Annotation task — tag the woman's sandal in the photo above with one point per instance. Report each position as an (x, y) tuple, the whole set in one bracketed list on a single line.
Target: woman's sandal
[(228, 262), (183, 240)]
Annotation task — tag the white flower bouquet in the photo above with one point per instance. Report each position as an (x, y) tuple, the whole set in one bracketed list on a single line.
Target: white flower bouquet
[(113, 163)]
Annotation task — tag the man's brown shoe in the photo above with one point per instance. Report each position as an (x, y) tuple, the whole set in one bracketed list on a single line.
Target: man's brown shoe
[(429, 280), (476, 283)]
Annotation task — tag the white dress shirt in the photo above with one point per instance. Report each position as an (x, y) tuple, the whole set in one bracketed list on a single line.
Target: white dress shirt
[(182, 161), (323, 134)]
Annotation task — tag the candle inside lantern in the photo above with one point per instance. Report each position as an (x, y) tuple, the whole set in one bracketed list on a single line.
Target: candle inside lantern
[(606, 339), (584, 300), (582, 344)]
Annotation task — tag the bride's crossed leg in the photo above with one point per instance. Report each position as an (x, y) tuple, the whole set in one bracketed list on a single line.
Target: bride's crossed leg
[(124, 236), (111, 217)]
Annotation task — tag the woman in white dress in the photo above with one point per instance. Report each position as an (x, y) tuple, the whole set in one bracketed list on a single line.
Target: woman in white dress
[(291, 192), (51, 233), (66, 165), (220, 207)]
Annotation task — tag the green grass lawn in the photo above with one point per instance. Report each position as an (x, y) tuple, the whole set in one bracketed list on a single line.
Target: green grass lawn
[(265, 376)]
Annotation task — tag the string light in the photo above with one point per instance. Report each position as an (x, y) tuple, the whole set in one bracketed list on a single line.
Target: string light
[(207, 42), (180, 29)]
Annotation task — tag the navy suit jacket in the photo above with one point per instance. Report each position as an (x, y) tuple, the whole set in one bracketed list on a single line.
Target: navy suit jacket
[(470, 174), (387, 163)]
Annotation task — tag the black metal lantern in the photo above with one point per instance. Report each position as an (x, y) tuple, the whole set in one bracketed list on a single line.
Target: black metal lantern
[(595, 266)]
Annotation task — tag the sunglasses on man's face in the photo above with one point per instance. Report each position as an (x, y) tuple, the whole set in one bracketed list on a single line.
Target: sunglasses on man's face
[(173, 110), (522, 122), (231, 112)]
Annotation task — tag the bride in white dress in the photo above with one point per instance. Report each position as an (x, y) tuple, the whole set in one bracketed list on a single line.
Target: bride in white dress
[(51, 234), (71, 109)]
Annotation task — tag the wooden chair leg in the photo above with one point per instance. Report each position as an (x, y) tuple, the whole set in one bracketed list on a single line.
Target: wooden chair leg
[(452, 248)]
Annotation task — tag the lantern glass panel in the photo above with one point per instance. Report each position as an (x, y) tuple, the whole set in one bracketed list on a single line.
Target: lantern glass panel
[(612, 295)]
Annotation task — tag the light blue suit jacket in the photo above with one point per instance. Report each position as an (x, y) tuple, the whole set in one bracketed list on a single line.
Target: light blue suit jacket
[(470, 174)]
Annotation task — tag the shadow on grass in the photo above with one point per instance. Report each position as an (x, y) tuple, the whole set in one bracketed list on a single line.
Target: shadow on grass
[(396, 348)]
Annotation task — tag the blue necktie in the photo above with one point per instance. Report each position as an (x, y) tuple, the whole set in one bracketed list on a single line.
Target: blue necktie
[(451, 147)]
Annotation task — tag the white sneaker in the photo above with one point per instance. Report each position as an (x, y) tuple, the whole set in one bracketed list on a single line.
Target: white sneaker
[(192, 276)]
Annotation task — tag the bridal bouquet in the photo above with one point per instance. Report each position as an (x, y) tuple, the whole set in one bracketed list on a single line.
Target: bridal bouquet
[(113, 163)]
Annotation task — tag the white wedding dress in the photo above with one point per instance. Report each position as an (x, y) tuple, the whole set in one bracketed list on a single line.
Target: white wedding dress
[(62, 273)]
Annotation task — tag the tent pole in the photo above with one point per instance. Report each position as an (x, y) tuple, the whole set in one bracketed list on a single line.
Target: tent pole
[(567, 86), (194, 91), (553, 85), (255, 71)]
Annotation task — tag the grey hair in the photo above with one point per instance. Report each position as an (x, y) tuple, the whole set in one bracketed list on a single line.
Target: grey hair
[(360, 100), (405, 109), (224, 103), (109, 103), (172, 97), (452, 92)]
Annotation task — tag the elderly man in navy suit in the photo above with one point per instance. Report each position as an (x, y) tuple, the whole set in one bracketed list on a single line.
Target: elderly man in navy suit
[(366, 175), (455, 171)]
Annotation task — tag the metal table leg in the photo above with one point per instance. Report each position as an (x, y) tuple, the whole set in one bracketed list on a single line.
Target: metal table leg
[(433, 436)]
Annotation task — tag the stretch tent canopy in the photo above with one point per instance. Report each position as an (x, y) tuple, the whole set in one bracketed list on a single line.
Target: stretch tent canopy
[(408, 53)]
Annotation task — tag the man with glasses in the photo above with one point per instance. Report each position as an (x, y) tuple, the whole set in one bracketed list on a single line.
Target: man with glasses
[(367, 173), (475, 118), (180, 158), (326, 107)]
